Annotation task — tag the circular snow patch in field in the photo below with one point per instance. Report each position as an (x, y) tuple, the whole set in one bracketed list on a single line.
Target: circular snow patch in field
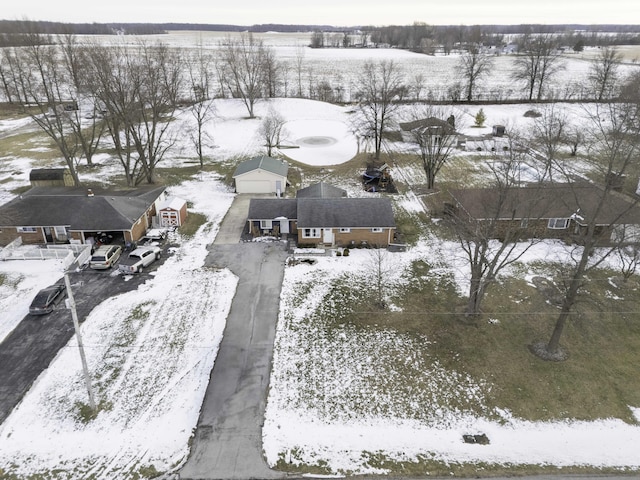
[(320, 142), (316, 141)]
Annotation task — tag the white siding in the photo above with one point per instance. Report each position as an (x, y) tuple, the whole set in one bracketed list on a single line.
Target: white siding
[(258, 181)]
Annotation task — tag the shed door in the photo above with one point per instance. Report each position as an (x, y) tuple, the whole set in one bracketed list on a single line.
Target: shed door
[(169, 218)]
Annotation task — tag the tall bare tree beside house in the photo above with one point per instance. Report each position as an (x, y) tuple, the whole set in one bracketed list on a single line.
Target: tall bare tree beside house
[(490, 245), (243, 61), (614, 148), (381, 90), (139, 88), (603, 72), (537, 63), (473, 66), (435, 137)]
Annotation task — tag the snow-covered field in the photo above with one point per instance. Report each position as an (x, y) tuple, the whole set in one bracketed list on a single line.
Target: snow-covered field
[(151, 351), (340, 67)]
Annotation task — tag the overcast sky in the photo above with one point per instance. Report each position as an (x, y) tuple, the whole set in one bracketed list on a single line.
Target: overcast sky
[(327, 12)]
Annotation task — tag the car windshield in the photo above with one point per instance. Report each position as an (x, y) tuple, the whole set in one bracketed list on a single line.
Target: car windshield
[(97, 258), (41, 298)]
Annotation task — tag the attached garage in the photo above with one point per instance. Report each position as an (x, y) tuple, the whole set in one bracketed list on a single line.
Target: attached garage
[(261, 175)]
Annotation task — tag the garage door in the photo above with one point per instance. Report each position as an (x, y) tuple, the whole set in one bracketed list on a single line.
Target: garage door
[(253, 186)]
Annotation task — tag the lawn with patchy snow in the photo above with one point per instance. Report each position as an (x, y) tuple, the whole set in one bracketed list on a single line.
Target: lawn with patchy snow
[(334, 400), (150, 353)]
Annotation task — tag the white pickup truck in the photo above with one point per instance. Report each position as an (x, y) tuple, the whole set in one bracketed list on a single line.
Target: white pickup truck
[(138, 259)]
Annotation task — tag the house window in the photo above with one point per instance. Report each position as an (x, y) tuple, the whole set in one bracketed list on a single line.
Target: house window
[(27, 229), (524, 223), (558, 223), (376, 230), (310, 233), (345, 230), (266, 224)]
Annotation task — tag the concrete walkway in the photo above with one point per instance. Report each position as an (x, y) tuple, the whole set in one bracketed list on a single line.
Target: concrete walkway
[(228, 439), (234, 221)]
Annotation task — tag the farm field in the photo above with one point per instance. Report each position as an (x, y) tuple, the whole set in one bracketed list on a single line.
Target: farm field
[(355, 389)]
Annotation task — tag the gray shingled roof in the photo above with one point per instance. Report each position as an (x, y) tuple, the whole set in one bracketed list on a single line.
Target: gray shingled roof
[(548, 201), (345, 213), (269, 164), (321, 190), (270, 208), (65, 206)]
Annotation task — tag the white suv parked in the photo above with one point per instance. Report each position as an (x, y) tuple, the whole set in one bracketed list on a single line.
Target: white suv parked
[(105, 256)]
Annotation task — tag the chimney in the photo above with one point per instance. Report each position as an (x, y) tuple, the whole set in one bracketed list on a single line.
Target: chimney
[(89, 192)]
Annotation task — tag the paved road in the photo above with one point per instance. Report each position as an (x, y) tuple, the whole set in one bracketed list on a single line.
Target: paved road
[(29, 349), (228, 439)]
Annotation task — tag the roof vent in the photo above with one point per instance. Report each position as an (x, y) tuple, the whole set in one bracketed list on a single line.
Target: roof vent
[(89, 192)]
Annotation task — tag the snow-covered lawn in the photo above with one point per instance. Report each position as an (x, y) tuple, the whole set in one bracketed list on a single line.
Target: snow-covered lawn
[(151, 351), (340, 396)]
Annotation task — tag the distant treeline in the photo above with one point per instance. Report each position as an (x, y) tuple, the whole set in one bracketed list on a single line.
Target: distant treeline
[(424, 37), (13, 32), (418, 37)]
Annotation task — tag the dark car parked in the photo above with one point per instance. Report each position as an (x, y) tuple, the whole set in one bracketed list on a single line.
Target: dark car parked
[(46, 299)]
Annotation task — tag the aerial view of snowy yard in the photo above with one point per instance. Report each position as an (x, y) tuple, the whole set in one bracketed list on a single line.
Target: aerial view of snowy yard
[(351, 391)]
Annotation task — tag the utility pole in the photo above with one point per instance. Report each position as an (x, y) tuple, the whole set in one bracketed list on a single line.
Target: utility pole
[(76, 325)]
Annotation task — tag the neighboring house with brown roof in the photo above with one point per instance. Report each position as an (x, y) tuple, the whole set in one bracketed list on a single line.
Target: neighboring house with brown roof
[(561, 211), (323, 215), (61, 214)]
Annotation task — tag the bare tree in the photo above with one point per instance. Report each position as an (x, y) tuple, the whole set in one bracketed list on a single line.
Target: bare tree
[(472, 66), (271, 72), (629, 257), (379, 268), (435, 137), (299, 62), (549, 132), (202, 108), (490, 242), (614, 149), (243, 62), (139, 90), (271, 130), (381, 91), (603, 72), (44, 84), (537, 64), (84, 120), (417, 85)]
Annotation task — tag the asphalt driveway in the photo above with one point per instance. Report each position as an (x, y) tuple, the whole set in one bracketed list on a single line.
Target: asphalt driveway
[(228, 439), (29, 349)]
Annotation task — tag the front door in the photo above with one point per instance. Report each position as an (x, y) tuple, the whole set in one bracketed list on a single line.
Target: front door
[(47, 234), (327, 236)]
